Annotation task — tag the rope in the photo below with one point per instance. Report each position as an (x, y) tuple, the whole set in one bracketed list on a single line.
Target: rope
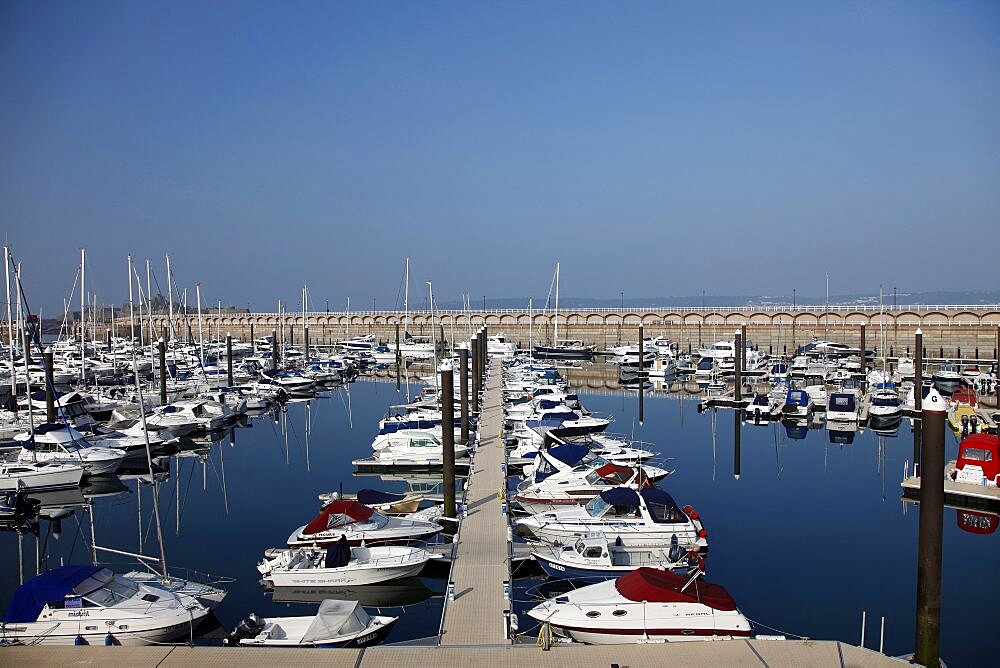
[(771, 628)]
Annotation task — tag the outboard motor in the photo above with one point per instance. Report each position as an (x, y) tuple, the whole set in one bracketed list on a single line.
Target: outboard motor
[(965, 426), (248, 628), (973, 425), (676, 552)]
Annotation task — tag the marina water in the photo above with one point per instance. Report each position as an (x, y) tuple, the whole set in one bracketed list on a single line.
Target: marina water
[(812, 534)]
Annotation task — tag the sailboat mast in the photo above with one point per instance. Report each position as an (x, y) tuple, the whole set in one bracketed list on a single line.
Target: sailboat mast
[(83, 323), (555, 331), (149, 310), (131, 309), (437, 383), (170, 302), (149, 457), (10, 323), (201, 333), (406, 298)]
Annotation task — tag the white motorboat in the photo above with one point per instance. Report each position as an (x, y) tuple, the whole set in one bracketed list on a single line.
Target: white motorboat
[(336, 624), (290, 382), (718, 350), (759, 409), (798, 404), (649, 517), (341, 565), (948, 374), (885, 402), (92, 605), (594, 557), (190, 416), (209, 595), (606, 447), (842, 406), (60, 444), (647, 605), (499, 345), (413, 446), (359, 523), (126, 436), (546, 492), (38, 476)]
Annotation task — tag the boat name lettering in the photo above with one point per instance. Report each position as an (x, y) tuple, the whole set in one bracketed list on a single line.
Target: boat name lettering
[(80, 613)]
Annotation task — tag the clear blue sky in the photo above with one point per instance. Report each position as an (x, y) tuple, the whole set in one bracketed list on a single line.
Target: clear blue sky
[(656, 148)]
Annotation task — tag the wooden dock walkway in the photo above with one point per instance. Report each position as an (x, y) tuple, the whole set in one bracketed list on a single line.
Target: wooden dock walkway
[(475, 617), (755, 653)]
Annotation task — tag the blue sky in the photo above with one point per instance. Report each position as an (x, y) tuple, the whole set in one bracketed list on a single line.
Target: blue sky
[(654, 148)]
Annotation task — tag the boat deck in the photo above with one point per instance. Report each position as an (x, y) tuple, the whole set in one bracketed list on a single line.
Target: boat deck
[(475, 616), (957, 494)]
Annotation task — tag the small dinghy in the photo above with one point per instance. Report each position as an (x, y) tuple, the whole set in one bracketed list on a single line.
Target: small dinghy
[(335, 624), (341, 565)]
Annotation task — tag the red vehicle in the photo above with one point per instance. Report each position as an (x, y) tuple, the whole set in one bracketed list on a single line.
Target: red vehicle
[(978, 460)]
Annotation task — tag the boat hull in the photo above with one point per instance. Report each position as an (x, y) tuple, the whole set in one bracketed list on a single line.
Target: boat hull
[(342, 577)]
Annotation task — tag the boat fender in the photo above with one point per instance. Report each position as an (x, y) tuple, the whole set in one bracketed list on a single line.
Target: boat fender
[(79, 640), (691, 512), (109, 640)]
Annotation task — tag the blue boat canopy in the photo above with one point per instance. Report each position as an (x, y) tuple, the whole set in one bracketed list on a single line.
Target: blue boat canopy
[(621, 497), (371, 497), (31, 597), (662, 507), (569, 453)]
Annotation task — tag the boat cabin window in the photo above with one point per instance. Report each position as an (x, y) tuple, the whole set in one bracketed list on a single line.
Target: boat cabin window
[(597, 507), (885, 400), (593, 552), (977, 454), (842, 402), (112, 592)]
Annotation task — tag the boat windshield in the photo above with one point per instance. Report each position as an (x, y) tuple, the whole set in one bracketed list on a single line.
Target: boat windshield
[(594, 479), (376, 521), (977, 454), (885, 400), (597, 507), (112, 592)]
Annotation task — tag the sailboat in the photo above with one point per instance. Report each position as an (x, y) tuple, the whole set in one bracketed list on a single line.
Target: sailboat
[(574, 349)]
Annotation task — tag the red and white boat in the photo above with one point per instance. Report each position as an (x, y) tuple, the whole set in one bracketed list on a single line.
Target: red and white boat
[(359, 523), (649, 518), (647, 605), (576, 488), (978, 461)]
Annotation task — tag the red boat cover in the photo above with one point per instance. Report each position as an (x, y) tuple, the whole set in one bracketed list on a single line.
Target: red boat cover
[(965, 395), (616, 474), (656, 586), (338, 513)]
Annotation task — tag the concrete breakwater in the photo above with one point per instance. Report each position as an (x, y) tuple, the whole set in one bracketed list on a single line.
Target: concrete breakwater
[(952, 331)]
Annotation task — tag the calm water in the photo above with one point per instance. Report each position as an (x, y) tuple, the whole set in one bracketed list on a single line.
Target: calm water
[(809, 536), (813, 533), (271, 484)]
